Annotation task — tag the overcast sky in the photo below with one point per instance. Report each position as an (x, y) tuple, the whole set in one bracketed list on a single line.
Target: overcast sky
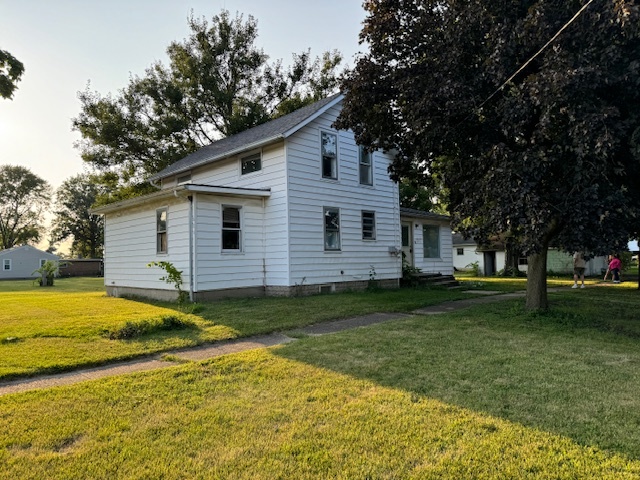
[(64, 44)]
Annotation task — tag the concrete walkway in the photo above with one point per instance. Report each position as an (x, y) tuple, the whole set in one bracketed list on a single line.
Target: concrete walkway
[(218, 349)]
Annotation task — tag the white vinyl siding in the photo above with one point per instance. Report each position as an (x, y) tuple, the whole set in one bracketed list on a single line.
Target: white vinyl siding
[(310, 262), (443, 263)]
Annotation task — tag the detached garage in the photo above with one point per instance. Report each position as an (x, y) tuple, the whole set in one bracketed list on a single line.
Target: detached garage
[(21, 262)]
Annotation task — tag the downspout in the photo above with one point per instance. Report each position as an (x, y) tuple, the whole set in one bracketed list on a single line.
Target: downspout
[(264, 248), (192, 239)]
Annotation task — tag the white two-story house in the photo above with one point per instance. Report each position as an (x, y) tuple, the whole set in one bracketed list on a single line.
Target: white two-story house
[(290, 206)]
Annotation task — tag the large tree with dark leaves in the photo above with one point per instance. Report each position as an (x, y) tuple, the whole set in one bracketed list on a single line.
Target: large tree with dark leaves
[(217, 83), (551, 156), (73, 219), (11, 69)]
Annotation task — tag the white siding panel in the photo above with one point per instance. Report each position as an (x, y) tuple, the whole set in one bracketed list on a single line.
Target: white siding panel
[(130, 244), (309, 193)]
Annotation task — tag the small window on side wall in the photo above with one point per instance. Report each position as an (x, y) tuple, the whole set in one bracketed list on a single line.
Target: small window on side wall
[(368, 225), (431, 241), (251, 163), (161, 230), (460, 251), (6, 264), (365, 166), (329, 149), (182, 179), (231, 229), (331, 229)]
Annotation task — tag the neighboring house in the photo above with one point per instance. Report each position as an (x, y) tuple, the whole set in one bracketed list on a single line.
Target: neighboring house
[(491, 259), (291, 206), (21, 262), (81, 267)]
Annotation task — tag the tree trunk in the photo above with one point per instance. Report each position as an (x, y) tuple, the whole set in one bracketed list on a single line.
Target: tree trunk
[(537, 281)]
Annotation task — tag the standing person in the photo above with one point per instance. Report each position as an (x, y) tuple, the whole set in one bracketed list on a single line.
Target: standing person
[(579, 266), (615, 265)]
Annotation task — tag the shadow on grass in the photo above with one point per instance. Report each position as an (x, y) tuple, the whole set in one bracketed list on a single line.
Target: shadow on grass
[(573, 371)]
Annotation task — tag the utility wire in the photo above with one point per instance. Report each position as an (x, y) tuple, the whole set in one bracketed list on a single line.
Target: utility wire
[(524, 65)]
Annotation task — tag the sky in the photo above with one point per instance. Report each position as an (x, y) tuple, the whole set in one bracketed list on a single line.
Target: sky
[(68, 45)]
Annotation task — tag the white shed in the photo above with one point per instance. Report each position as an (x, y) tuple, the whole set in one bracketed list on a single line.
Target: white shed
[(21, 262)]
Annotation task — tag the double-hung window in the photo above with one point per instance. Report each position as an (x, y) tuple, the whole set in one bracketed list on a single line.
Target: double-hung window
[(331, 229), (431, 241), (365, 166), (329, 149), (231, 229), (161, 230), (6, 264), (368, 225), (251, 163)]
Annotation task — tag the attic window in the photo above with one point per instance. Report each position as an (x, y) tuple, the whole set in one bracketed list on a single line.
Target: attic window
[(251, 163), (186, 178)]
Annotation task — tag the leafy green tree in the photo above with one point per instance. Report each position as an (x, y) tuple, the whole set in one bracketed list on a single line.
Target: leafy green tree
[(74, 198), (11, 70), (551, 156), (24, 197), (217, 83)]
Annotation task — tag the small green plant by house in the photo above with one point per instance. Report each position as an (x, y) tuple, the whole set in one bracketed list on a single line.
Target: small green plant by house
[(47, 273), (173, 276)]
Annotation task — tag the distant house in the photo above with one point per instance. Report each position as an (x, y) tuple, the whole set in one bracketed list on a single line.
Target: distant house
[(290, 206), (491, 258), (81, 267), (21, 262)]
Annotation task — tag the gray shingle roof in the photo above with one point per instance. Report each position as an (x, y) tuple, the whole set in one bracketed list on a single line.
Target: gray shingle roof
[(412, 212), (252, 138)]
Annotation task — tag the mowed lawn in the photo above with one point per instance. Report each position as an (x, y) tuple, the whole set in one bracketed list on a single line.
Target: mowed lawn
[(74, 324), (488, 392)]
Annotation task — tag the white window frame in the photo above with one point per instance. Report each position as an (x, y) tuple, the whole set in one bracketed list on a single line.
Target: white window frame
[(162, 233), (425, 227), (251, 157), (42, 262), (331, 230), (365, 166), (333, 162), (6, 262), (369, 233), (228, 228)]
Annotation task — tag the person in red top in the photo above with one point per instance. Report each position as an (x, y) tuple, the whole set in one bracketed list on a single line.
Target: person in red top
[(615, 265)]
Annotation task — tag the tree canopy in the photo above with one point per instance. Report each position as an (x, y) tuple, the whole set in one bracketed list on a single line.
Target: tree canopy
[(11, 70), (74, 199), (552, 156), (217, 83), (24, 197)]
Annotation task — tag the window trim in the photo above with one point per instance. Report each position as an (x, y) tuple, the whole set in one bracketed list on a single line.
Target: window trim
[(361, 154), (231, 229), (325, 211), (162, 233), (7, 262), (426, 226), (334, 162), (372, 236), (250, 156)]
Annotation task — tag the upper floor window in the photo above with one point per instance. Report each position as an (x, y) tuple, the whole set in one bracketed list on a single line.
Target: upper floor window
[(431, 241), (329, 148), (251, 163), (368, 225), (365, 166), (182, 179), (161, 230), (6, 264), (331, 228), (231, 228)]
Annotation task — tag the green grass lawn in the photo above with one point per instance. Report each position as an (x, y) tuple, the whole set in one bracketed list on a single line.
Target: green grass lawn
[(489, 392), (73, 323)]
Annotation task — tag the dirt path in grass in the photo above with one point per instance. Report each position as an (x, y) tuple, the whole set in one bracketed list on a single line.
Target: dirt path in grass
[(204, 352)]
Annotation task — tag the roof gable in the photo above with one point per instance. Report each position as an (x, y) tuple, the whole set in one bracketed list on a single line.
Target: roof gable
[(255, 137), (12, 250)]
